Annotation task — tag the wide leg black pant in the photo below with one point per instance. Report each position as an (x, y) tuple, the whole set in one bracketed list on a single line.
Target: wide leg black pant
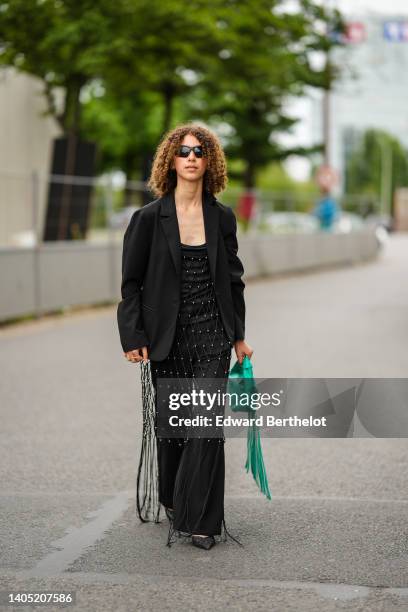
[(192, 470)]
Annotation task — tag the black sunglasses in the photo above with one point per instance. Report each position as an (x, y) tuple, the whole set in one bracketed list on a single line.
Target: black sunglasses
[(184, 151)]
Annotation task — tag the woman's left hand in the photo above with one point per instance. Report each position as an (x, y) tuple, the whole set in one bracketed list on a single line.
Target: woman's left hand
[(242, 349)]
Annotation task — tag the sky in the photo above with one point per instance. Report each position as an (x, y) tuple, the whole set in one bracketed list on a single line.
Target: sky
[(380, 6)]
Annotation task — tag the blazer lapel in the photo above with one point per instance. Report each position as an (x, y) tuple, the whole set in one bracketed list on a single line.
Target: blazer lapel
[(168, 218), (210, 213)]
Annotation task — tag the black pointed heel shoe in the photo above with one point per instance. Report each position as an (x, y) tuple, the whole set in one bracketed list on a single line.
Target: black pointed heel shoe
[(207, 542)]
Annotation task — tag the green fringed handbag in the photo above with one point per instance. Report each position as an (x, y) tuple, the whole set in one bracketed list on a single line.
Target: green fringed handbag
[(241, 382)]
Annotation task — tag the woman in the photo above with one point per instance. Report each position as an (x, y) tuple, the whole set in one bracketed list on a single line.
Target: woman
[(181, 312)]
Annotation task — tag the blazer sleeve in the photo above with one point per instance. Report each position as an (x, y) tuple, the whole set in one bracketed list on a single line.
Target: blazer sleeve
[(236, 271), (135, 255)]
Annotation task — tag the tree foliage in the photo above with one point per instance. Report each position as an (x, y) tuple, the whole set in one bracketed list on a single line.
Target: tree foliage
[(133, 68), (375, 152)]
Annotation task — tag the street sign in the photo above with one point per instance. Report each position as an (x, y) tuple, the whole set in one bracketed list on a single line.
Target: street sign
[(355, 32), (395, 31)]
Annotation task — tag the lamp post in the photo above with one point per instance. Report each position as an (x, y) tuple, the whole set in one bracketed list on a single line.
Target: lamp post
[(386, 176)]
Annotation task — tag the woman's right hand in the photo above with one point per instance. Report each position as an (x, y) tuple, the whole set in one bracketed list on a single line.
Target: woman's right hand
[(137, 355)]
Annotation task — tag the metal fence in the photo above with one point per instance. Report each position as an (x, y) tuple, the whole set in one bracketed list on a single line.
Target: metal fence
[(36, 208)]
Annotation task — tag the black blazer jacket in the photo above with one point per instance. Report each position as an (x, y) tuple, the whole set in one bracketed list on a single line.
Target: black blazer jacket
[(151, 274)]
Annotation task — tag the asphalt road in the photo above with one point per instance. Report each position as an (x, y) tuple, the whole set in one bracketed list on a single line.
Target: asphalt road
[(333, 537)]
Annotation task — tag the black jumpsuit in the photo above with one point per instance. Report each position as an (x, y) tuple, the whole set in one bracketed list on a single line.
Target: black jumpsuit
[(191, 470)]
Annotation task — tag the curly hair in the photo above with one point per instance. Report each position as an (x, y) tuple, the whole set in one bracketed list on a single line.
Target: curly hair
[(163, 178)]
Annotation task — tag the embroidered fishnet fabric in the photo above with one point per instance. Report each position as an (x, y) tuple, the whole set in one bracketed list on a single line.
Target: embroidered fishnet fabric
[(200, 336)]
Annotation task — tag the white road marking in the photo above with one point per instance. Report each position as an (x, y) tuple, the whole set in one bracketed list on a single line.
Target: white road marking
[(74, 544)]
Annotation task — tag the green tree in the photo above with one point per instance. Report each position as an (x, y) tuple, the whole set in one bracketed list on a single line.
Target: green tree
[(227, 63), (160, 50), (169, 43), (132, 68), (377, 164), (64, 43), (266, 56)]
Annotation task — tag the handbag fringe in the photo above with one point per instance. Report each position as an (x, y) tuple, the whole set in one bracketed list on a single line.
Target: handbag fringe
[(147, 485), (255, 461)]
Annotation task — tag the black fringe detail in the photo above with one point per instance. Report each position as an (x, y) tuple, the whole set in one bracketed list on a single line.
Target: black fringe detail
[(227, 533), (174, 535), (147, 485)]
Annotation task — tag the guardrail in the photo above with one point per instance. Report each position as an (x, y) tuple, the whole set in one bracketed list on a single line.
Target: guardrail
[(55, 275)]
